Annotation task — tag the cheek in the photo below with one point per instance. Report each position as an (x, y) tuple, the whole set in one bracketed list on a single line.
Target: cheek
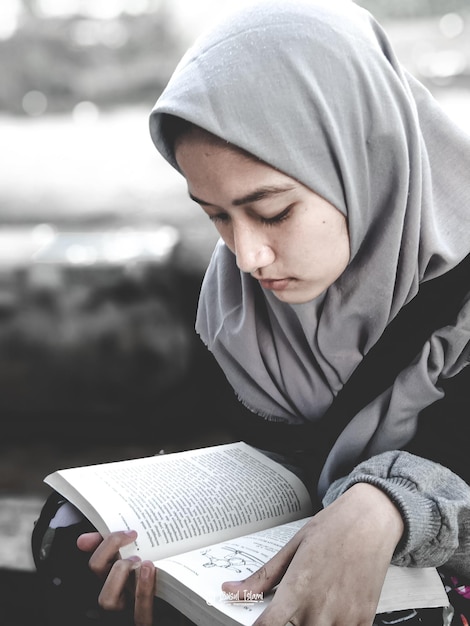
[(341, 256), (337, 252), (340, 241), (333, 231), (226, 235), (323, 243)]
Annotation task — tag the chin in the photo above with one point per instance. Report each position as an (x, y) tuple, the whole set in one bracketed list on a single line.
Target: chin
[(297, 297)]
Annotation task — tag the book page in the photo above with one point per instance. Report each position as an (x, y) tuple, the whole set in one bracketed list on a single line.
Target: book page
[(203, 571), (412, 587), (181, 501)]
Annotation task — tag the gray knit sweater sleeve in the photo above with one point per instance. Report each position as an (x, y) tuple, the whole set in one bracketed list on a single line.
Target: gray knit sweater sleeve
[(434, 503)]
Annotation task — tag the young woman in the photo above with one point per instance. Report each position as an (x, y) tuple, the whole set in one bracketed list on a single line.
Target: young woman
[(337, 301)]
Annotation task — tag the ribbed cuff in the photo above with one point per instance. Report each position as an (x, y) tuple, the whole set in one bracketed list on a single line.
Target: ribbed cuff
[(421, 515)]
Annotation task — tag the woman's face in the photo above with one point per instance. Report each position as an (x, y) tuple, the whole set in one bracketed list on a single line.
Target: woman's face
[(287, 237)]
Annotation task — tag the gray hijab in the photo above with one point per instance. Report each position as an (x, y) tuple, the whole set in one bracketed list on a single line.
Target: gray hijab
[(314, 89)]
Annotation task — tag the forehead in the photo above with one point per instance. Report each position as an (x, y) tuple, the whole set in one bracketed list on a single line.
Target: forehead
[(218, 173), (197, 138), (204, 158)]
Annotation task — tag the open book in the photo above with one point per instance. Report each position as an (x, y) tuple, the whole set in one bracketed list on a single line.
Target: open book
[(210, 515)]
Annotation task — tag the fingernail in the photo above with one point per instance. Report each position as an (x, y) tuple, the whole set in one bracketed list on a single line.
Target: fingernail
[(130, 533), (144, 572)]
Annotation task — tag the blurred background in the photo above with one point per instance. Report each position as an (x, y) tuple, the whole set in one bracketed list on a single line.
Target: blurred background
[(102, 253)]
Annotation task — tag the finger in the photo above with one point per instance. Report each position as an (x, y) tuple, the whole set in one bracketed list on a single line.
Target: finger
[(281, 610), (88, 542), (288, 603), (113, 594), (144, 594), (105, 554), (270, 575)]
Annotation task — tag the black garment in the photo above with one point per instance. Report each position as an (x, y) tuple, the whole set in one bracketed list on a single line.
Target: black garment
[(69, 589)]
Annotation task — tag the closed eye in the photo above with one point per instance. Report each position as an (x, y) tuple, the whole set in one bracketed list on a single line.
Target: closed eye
[(223, 218), (219, 218), (277, 219)]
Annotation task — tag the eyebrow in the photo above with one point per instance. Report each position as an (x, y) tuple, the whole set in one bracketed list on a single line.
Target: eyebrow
[(255, 196)]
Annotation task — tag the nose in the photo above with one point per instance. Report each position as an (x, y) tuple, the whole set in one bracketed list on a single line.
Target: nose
[(251, 248)]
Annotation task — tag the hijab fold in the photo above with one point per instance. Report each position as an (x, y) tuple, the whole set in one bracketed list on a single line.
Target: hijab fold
[(313, 88)]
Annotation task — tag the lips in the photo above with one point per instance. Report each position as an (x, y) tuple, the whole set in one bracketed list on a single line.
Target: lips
[(274, 284)]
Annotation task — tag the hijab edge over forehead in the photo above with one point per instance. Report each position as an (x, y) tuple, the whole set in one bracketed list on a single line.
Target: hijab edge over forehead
[(226, 54)]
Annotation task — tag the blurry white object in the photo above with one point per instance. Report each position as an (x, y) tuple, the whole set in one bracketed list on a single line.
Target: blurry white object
[(43, 244)]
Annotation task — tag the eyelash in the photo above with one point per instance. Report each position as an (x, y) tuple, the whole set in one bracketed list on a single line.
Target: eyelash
[(279, 218), (267, 221)]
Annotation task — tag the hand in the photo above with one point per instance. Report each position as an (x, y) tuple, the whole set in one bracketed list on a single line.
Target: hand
[(116, 574), (332, 570)]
